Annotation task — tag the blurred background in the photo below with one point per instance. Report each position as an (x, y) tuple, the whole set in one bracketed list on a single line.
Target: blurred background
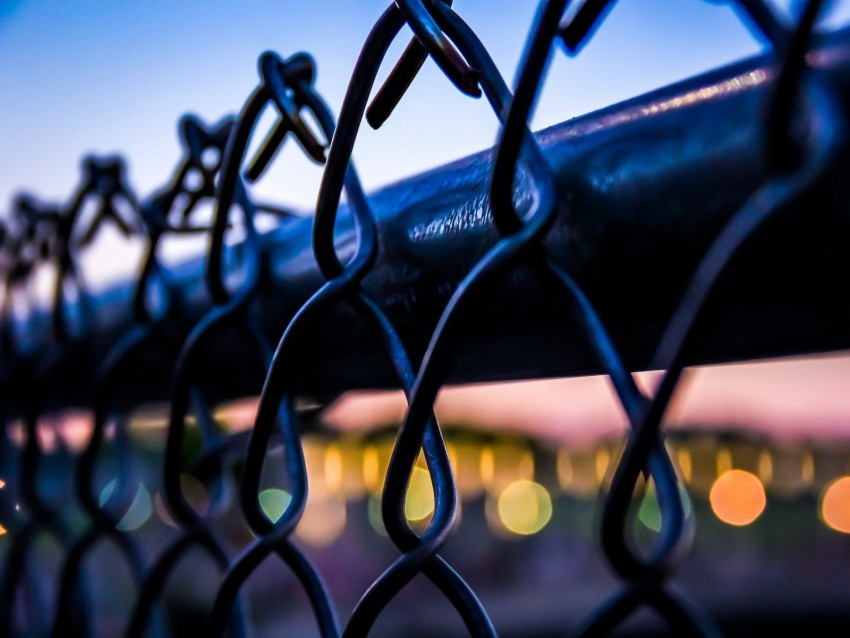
[(763, 447)]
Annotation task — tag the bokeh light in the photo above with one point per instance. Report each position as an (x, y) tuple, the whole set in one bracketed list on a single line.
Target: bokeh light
[(419, 502), (765, 467), (649, 512), (137, 514), (525, 507), (162, 510), (603, 460), (835, 505), (465, 457), (371, 472), (274, 502), (48, 440), (323, 521), (737, 497), (343, 468), (333, 468), (577, 473), (376, 518), (503, 462), (376, 459), (236, 416), (195, 493), (683, 458), (74, 427)]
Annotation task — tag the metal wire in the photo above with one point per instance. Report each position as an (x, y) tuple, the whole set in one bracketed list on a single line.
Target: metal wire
[(803, 135)]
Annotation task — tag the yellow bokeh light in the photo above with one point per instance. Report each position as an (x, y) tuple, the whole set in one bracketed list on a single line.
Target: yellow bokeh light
[(565, 469), (371, 471), (737, 497), (313, 447), (344, 468), (465, 457), (577, 472), (835, 505), (2, 530), (525, 507), (765, 465), (525, 468), (724, 460), (683, 456), (808, 469), (333, 468), (2, 484), (488, 466), (376, 459), (603, 459), (503, 462), (419, 503)]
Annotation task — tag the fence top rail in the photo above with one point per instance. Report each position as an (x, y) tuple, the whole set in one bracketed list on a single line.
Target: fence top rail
[(645, 185)]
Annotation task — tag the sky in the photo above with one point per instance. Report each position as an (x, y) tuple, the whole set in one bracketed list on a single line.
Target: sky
[(101, 76), (98, 76)]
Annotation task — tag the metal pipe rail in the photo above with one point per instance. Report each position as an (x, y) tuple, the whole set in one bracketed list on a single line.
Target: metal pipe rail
[(645, 184)]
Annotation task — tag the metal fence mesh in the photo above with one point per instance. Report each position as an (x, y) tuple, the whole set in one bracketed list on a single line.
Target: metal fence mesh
[(801, 136)]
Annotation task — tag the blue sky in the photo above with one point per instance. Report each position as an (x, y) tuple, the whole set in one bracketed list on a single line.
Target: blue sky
[(101, 76)]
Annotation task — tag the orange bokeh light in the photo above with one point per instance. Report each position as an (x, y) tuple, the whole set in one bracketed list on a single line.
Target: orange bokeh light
[(835, 505), (737, 497)]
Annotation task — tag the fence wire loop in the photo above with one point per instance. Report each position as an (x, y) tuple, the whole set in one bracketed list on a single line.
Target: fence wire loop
[(105, 179), (203, 149), (30, 235), (286, 83), (428, 41), (103, 184)]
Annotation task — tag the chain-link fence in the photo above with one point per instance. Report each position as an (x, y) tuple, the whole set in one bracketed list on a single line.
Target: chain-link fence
[(665, 231)]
